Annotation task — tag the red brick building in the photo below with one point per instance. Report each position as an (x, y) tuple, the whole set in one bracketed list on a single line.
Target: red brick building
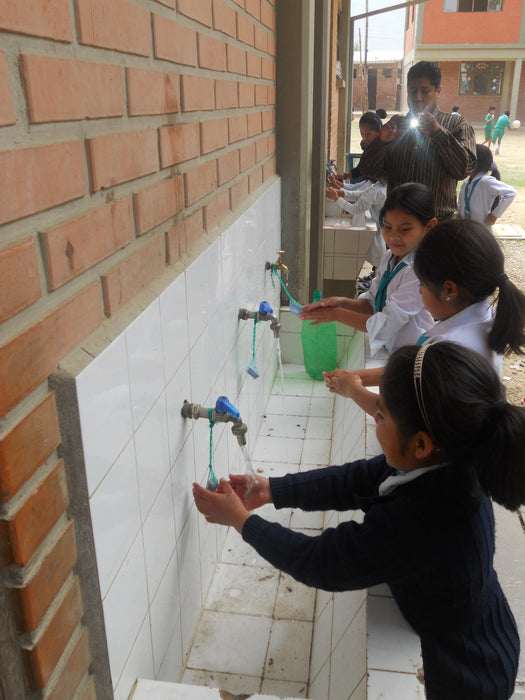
[(384, 81), (479, 46)]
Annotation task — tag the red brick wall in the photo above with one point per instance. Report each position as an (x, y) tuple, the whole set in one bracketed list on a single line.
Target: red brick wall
[(386, 92), (333, 95), (472, 107), (129, 130)]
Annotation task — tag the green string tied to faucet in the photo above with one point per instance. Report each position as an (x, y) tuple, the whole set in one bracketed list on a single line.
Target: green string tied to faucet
[(252, 367), (212, 482), (295, 307)]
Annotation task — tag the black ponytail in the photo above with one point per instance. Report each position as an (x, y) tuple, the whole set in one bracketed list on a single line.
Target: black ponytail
[(467, 253), (473, 425)]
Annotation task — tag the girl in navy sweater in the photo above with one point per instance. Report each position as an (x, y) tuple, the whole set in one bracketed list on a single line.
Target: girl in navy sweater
[(451, 443)]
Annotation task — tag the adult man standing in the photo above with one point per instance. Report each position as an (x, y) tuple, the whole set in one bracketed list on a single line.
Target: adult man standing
[(428, 146)]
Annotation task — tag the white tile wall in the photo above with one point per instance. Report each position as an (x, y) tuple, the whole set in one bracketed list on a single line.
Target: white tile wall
[(155, 558)]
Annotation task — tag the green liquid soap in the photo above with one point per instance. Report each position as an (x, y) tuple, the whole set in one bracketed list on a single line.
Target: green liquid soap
[(319, 346)]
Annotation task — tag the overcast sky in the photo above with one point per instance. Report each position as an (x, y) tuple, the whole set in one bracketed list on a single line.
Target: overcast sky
[(385, 31)]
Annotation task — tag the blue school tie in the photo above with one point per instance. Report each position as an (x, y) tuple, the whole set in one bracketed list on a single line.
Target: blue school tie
[(384, 282), (422, 338)]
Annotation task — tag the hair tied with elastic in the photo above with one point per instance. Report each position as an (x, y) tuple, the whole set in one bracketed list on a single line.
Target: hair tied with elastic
[(500, 279)]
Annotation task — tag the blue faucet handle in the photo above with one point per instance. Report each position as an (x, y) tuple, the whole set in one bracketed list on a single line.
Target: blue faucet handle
[(223, 405), (265, 308)]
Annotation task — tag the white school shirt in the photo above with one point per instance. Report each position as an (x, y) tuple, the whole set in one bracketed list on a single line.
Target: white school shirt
[(372, 199), (404, 316), (484, 189), (470, 327)]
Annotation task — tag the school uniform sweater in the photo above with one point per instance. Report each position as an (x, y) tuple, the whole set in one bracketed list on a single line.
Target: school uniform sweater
[(432, 541)]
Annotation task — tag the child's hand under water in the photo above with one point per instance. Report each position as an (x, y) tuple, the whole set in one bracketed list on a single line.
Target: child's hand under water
[(222, 507), (254, 491)]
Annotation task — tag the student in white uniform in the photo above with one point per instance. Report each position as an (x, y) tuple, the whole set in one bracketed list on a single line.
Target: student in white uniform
[(391, 312), (460, 266), (372, 199), (484, 197)]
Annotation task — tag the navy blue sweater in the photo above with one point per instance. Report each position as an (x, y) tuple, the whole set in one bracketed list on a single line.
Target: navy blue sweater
[(432, 541)]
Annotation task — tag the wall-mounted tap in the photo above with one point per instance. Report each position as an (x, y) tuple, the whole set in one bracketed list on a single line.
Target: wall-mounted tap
[(224, 412), (278, 264), (265, 313)]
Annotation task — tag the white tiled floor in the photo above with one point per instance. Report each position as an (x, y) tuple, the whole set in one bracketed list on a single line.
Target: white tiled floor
[(256, 627)]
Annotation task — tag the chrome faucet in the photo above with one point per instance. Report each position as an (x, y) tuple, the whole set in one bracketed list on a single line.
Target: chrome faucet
[(265, 313), (224, 412)]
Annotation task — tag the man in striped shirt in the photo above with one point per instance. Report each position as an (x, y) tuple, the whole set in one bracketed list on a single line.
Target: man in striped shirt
[(428, 146)]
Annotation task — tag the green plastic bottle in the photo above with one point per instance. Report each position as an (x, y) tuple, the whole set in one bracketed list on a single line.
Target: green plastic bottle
[(319, 346)]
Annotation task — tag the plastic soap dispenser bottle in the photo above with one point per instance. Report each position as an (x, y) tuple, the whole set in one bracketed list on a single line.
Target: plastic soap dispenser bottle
[(319, 346)]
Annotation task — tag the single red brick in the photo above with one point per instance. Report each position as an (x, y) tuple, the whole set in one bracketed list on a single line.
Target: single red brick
[(268, 119), (254, 123), (49, 19), (179, 143), (246, 94), (253, 7), (239, 193), (80, 244), (238, 128), (29, 359), (35, 179), (133, 274), (261, 39), (224, 18), (247, 156), (271, 95), (197, 93), (46, 653), (7, 112), (271, 44), (253, 65), (261, 149), (268, 168), (228, 167), (261, 94), (35, 597), (158, 203), (19, 279), (214, 135), (212, 52), (245, 29), (152, 92), (236, 59), (122, 157), (255, 180), (27, 446), (225, 94), (199, 11), (272, 143), (74, 670), (268, 68), (117, 25), (216, 210), (182, 237), (31, 523), (200, 181), (60, 89), (174, 42), (268, 16)]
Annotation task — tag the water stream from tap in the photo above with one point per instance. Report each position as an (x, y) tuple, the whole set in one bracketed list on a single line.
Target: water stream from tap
[(280, 359)]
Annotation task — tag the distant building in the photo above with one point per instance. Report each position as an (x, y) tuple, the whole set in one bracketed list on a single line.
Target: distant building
[(384, 80), (480, 47)]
